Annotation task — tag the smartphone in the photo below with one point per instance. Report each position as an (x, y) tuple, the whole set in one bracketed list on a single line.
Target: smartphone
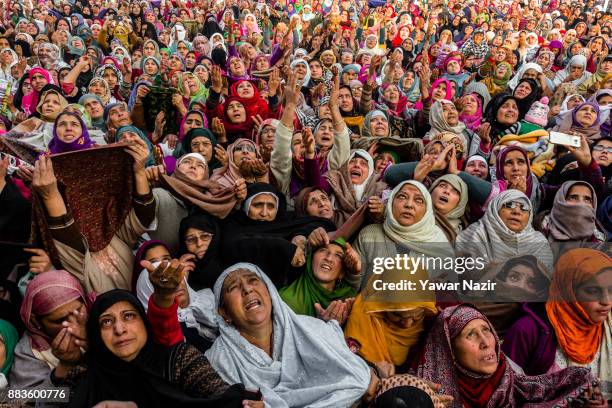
[(564, 139)]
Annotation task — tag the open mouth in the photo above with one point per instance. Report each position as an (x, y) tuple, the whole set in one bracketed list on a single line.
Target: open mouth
[(443, 199), (326, 267), (252, 305), (355, 173), (489, 358)]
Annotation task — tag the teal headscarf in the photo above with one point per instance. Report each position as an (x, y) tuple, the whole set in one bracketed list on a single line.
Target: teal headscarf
[(9, 338), (134, 129)]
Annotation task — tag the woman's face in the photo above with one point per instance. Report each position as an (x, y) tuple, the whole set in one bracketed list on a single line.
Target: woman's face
[(193, 168), (602, 152), (469, 105), (316, 70), (190, 60), (244, 151), (110, 77), (237, 67), (445, 197), (150, 67), (63, 25), (262, 64), (197, 241), (7, 57), (246, 300), (203, 146), (245, 90), (182, 49), (318, 204), (522, 276), (595, 296), (515, 166), (26, 87), (409, 205), (439, 92), (515, 215), (404, 319), (327, 264), (39, 81), (477, 168), (97, 89), (68, 128), (507, 114), (358, 170), (175, 63), (450, 114), (202, 73), (263, 208), (501, 71), (391, 94), (453, 67), (371, 42), (122, 330), (236, 112), (382, 160), (478, 37), (324, 136), (580, 194), (268, 134), (522, 90), (543, 60), (576, 71), (474, 348), (586, 116), (51, 105), (52, 323)]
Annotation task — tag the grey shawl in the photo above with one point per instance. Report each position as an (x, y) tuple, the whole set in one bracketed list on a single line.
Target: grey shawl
[(492, 239), (311, 364)]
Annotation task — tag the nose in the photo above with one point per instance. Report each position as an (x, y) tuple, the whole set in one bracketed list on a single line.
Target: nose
[(119, 327)]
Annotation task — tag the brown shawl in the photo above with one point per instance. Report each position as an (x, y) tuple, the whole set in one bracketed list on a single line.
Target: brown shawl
[(208, 195), (344, 193), (97, 186)]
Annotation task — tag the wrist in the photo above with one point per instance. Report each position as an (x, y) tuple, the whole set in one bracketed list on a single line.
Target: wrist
[(163, 301)]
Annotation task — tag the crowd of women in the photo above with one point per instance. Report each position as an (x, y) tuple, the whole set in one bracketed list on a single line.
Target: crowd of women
[(193, 194)]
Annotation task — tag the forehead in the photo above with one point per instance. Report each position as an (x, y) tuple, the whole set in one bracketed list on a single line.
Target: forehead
[(237, 274), (265, 197), (409, 188)]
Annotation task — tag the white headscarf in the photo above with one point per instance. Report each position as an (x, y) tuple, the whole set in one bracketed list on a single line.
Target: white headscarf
[(424, 236), (360, 188), (311, 365), (199, 314), (305, 63), (492, 239), (576, 60), (519, 74)]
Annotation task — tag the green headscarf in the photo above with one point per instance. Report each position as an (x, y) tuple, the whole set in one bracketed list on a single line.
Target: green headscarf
[(302, 294), (9, 338)]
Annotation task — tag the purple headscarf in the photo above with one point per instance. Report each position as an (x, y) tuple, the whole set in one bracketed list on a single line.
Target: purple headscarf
[(82, 142)]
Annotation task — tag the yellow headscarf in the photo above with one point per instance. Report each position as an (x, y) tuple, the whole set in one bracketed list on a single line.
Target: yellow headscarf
[(378, 340)]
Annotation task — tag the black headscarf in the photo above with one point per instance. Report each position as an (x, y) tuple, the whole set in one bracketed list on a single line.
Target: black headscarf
[(148, 30), (490, 114), (268, 243), (18, 97), (210, 267), (525, 104), (200, 132), (211, 26), (144, 380)]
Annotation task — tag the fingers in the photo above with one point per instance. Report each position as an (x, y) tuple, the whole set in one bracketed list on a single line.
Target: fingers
[(320, 311)]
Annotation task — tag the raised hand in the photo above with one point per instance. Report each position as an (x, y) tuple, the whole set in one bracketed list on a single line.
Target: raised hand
[(582, 153), (221, 155), (273, 82), (240, 189), (44, 181), (39, 262), (140, 153), (216, 79), (165, 278), (318, 238), (218, 128), (309, 143), (154, 173)]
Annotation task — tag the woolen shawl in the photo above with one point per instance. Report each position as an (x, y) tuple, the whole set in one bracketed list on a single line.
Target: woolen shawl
[(491, 238), (505, 387), (311, 365)]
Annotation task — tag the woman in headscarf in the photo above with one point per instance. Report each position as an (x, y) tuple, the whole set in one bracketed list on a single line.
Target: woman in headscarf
[(498, 80), (99, 87), (39, 77), (529, 70), (575, 326), (292, 347), (572, 221), (331, 274), (353, 185), (449, 195), (409, 225), (462, 353), (51, 103), (199, 140), (526, 92), (387, 327), (584, 120), (196, 309), (69, 134), (476, 45), (191, 89), (505, 232), (243, 162), (264, 226), (9, 338), (51, 298), (142, 371), (187, 189), (604, 216), (471, 111), (575, 72), (119, 89)]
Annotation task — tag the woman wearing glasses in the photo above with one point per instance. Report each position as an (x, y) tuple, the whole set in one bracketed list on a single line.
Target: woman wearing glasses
[(505, 232)]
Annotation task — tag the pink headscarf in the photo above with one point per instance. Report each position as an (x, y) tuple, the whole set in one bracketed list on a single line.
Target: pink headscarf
[(45, 293), (473, 121), (30, 101)]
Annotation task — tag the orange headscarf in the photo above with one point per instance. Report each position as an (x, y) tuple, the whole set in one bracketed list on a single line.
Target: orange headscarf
[(578, 336)]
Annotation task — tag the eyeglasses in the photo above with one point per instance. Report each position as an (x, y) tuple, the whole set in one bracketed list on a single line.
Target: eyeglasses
[(194, 239), (245, 148), (517, 204), (600, 148)]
